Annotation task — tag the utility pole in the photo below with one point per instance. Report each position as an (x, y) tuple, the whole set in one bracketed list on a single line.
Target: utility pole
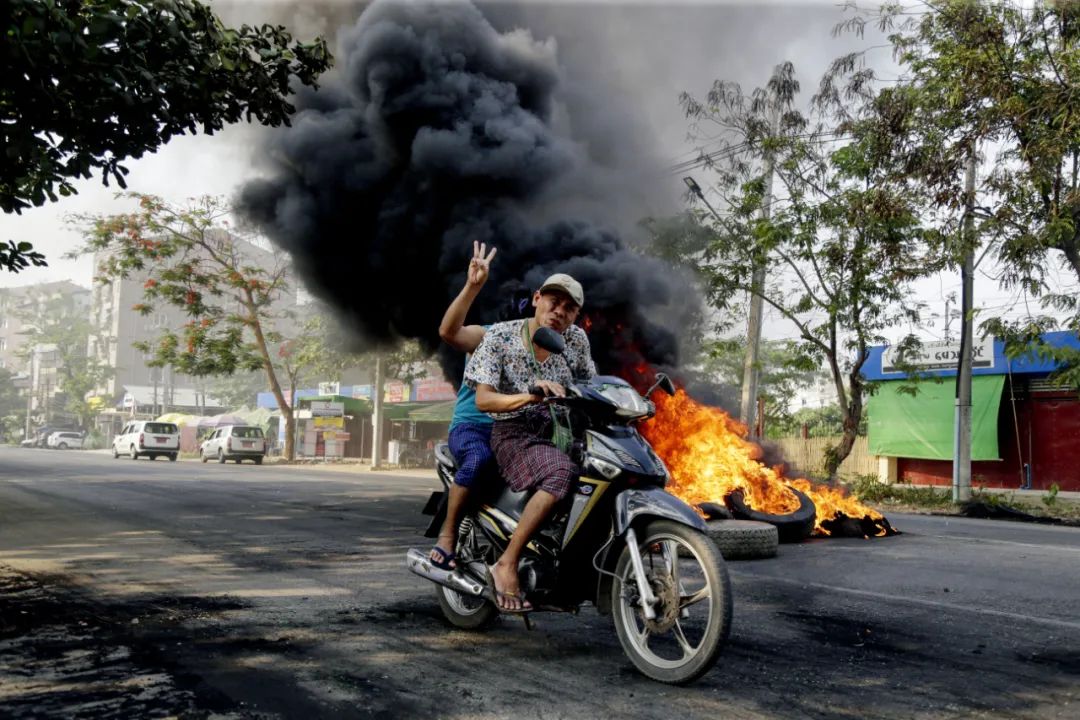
[(376, 415), (751, 366), (29, 397), (962, 444)]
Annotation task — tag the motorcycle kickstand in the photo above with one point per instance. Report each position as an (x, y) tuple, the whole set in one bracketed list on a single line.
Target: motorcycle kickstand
[(528, 622)]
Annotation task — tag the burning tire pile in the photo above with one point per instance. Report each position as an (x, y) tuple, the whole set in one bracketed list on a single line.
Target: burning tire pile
[(715, 468)]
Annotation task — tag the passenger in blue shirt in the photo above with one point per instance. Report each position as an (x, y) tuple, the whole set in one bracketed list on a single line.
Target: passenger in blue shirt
[(470, 429)]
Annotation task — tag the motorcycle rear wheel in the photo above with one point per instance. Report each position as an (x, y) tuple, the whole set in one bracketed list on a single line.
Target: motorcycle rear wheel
[(694, 613), (465, 611)]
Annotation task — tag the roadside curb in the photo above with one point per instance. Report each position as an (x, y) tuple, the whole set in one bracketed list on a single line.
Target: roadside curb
[(335, 467)]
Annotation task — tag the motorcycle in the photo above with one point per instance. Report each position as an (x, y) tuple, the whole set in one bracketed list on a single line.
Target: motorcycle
[(619, 540)]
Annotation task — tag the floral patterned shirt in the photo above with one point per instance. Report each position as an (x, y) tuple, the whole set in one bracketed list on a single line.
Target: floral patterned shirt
[(504, 361)]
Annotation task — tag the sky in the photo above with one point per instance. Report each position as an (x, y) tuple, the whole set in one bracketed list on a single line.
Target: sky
[(624, 67)]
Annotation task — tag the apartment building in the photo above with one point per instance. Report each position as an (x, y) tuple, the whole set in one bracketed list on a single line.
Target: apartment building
[(19, 305), (134, 385)]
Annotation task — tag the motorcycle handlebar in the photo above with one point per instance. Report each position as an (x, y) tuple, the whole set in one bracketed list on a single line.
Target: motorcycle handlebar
[(544, 397)]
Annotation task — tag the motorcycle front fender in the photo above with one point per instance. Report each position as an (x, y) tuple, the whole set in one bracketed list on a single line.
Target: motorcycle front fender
[(630, 505), (653, 502)]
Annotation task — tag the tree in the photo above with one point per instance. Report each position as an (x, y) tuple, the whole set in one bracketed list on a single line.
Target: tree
[(997, 77), (785, 369), (19, 256), (12, 407), (90, 83), (843, 240), (192, 261), (63, 326), (825, 421), (235, 390)]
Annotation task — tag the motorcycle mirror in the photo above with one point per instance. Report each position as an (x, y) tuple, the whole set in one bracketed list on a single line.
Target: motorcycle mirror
[(549, 340), (664, 383)]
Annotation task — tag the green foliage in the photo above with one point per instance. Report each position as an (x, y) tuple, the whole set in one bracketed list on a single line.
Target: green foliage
[(827, 421), (88, 83), (11, 428), (12, 408), (238, 389), (1051, 497), (94, 440), (784, 370), (840, 238), (193, 262), (868, 488), (63, 325), (994, 77), (19, 256), (679, 239)]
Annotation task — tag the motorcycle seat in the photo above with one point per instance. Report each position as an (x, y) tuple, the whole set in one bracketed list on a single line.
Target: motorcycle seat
[(510, 502), (444, 457)]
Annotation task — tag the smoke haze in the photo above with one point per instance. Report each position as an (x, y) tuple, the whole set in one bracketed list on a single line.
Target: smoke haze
[(437, 130)]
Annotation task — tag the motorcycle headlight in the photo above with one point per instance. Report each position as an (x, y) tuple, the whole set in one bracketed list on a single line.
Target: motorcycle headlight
[(603, 459), (627, 400), (605, 468)]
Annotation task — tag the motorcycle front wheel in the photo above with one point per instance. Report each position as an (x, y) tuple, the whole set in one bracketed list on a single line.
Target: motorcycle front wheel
[(688, 577)]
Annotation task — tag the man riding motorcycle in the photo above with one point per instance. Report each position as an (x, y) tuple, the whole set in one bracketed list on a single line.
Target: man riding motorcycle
[(506, 370)]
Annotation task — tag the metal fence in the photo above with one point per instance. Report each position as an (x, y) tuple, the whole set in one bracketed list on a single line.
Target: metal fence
[(808, 455)]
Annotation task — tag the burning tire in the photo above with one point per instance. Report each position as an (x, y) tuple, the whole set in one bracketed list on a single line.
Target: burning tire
[(743, 539), (793, 527)]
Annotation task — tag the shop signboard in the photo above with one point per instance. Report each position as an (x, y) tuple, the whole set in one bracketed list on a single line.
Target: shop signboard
[(323, 422), (395, 392), (938, 355), (327, 408), (433, 390)]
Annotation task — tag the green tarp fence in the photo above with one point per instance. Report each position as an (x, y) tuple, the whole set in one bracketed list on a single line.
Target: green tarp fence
[(922, 425)]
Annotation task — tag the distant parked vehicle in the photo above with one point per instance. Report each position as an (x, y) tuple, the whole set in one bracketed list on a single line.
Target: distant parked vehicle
[(235, 442), (146, 438), (40, 437), (64, 440)]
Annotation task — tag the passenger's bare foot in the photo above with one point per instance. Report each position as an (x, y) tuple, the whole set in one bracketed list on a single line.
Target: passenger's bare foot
[(508, 595), (442, 555)]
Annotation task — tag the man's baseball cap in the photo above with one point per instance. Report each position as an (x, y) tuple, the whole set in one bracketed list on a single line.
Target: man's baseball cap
[(570, 286)]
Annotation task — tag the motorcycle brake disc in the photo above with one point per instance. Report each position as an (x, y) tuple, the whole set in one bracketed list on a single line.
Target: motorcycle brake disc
[(667, 609)]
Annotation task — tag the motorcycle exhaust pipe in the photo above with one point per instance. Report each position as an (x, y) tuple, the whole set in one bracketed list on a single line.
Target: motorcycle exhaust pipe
[(418, 562)]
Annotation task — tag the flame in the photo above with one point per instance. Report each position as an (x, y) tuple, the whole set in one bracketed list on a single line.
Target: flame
[(709, 457)]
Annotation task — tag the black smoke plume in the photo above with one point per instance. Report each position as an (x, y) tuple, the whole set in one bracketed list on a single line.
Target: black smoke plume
[(436, 131)]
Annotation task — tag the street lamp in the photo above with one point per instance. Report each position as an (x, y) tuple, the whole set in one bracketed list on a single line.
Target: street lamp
[(695, 189)]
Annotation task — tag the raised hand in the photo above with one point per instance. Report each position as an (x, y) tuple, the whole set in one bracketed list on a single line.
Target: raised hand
[(480, 264)]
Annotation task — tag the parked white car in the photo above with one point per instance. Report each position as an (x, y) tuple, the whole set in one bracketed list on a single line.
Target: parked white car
[(235, 442), (146, 438), (64, 440)]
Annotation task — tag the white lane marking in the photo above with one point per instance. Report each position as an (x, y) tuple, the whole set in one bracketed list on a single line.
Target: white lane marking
[(936, 604), (993, 541)]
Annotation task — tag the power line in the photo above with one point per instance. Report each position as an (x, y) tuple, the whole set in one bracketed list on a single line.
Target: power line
[(732, 150)]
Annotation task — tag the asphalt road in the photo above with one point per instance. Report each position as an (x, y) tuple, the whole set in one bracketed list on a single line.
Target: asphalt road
[(141, 589)]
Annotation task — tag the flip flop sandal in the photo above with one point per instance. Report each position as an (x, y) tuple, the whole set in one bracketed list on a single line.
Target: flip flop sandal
[(444, 561), (502, 598)]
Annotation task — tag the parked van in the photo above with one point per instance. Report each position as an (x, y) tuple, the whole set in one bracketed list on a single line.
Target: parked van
[(235, 442), (147, 438)]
